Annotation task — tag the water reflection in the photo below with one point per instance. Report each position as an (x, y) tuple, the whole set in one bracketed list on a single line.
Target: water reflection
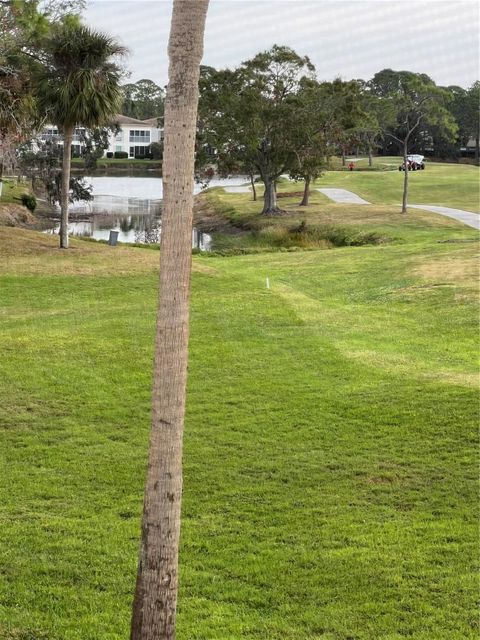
[(142, 229), (132, 206), (136, 219)]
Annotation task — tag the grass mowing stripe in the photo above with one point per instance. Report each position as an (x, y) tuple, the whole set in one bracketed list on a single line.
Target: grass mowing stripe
[(330, 480)]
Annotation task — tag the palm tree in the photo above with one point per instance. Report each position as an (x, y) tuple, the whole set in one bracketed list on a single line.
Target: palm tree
[(77, 85), (154, 607)]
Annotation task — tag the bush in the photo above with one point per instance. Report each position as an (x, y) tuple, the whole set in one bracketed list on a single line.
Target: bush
[(156, 150), (140, 157), (304, 235), (120, 155), (29, 201), (109, 154)]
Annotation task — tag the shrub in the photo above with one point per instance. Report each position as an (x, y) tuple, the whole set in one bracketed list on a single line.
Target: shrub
[(120, 154), (109, 154), (337, 236), (156, 150), (140, 157), (29, 201)]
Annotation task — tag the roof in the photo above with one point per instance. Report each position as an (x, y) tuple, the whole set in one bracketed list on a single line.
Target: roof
[(154, 122), (121, 119)]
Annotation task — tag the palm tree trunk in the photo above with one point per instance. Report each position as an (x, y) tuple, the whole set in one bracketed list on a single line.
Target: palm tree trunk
[(405, 178), (65, 185), (154, 607), (306, 193)]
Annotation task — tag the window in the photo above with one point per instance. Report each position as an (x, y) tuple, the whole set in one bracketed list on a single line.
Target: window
[(49, 134), (139, 151), (118, 147), (139, 136), (78, 135), (119, 137)]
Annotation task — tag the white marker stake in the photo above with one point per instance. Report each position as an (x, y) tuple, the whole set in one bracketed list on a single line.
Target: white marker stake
[(268, 283)]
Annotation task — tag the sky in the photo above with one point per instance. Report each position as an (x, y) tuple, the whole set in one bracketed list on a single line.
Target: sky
[(343, 38)]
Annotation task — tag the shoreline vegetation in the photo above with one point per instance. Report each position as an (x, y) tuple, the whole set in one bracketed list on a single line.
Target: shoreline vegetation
[(234, 221), (117, 166)]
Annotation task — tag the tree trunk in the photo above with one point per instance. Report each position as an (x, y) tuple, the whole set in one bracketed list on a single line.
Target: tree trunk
[(343, 156), (254, 190), (65, 185), (154, 606), (306, 192), (405, 178), (370, 159), (269, 198)]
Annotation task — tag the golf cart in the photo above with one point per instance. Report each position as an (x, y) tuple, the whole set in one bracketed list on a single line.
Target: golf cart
[(414, 162)]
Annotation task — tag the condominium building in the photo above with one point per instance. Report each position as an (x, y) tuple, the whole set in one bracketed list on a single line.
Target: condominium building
[(134, 136)]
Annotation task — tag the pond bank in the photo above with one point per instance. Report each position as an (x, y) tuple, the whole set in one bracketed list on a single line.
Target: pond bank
[(16, 215), (107, 167)]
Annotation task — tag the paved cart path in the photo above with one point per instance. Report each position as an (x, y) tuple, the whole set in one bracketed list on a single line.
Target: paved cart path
[(344, 196), (348, 197), (467, 217)]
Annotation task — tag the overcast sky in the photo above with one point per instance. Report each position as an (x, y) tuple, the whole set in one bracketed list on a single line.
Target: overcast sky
[(346, 38)]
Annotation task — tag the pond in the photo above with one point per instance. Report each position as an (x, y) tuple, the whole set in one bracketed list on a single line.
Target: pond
[(133, 207)]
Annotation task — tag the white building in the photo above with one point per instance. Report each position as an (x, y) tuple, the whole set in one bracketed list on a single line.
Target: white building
[(134, 137)]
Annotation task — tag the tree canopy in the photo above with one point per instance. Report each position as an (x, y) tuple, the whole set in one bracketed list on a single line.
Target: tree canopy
[(143, 100)]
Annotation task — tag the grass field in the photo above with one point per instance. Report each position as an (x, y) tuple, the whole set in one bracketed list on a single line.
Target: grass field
[(330, 485), (451, 185), (12, 191), (456, 186)]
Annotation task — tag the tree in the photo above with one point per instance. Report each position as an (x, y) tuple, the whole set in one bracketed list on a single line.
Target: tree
[(414, 102), (248, 115), (43, 167), (369, 129), (77, 85), (323, 113), (471, 116), (22, 29), (143, 100), (154, 607), (94, 143), (383, 85)]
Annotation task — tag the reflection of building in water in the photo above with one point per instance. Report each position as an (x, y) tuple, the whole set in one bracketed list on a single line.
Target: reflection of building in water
[(144, 228), (117, 205), (201, 240)]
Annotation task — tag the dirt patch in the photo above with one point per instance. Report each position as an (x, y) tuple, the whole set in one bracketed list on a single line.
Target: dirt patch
[(208, 220), (14, 215), (290, 194), (398, 363), (453, 269)]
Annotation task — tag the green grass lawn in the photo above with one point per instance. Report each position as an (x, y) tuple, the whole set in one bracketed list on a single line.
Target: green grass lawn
[(451, 185), (456, 186), (330, 484), (12, 191)]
